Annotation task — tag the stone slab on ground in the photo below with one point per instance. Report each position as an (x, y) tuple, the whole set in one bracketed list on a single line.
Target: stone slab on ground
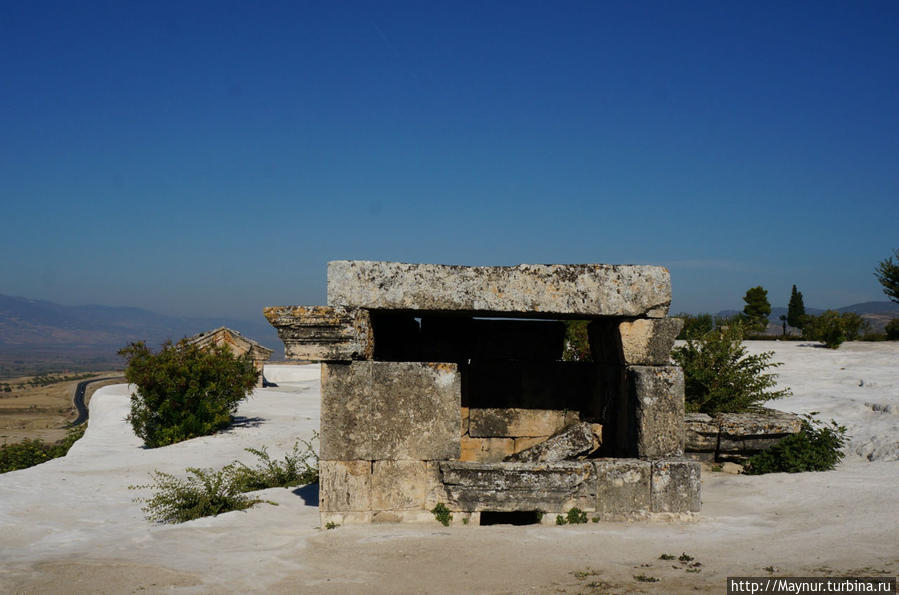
[(585, 289), (509, 487)]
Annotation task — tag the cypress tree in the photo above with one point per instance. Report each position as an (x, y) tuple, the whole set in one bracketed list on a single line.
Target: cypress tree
[(796, 309)]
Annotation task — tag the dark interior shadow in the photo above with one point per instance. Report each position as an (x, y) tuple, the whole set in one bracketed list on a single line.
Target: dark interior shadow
[(267, 384), (239, 421), (309, 493)]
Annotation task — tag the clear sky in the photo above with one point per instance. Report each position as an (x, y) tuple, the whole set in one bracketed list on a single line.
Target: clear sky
[(202, 158)]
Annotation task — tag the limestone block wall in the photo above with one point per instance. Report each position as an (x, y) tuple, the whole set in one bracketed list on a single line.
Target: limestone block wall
[(424, 402)]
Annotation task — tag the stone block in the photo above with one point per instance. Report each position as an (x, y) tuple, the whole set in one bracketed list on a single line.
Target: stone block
[(648, 342), (577, 439), (742, 435), (585, 289), (509, 487), (323, 333), (491, 422), (344, 486), (675, 485), (700, 433), (486, 450), (622, 486), (656, 395), (399, 485), (390, 411), (464, 428), (526, 443)]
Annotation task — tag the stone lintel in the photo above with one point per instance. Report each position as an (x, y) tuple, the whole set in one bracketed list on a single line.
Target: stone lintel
[(390, 411), (587, 290), (323, 333)]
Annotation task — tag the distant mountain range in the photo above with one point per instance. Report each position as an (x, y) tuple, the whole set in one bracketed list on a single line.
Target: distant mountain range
[(37, 330), (878, 314)]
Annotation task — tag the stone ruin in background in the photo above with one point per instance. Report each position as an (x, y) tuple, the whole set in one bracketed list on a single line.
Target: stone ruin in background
[(445, 384)]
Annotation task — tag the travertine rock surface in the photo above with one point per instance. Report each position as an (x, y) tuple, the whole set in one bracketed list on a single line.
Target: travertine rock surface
[(584, 289)]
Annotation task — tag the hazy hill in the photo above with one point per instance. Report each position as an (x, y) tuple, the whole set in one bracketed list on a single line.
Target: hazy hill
[(35, 331)]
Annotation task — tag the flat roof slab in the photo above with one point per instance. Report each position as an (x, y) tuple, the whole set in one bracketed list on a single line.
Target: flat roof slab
[(586, 290)]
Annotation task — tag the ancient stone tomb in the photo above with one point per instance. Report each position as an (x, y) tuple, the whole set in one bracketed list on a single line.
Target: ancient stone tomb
[(446, 384)]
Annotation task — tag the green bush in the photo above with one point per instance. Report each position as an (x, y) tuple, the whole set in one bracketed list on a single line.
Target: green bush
[(892, 330), (184, 391), (577, 343), (695, 326), (210, 492), (720, 376), (205, 492), (832, 328), (297, 468), (817, 447), (29, 453)]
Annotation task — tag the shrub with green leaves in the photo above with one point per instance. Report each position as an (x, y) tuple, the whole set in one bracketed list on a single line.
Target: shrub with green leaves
[(833, 328), (184, 391), (817, 447), (204, 492), (721, 377), (298, 467), (29, 453), (892, 330), (577, 343)]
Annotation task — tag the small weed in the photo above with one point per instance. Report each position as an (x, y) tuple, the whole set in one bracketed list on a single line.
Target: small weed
[(442, 514), (667, 557), (298, 468), (771, 568), (694, 570), (717, 467), (561, 520), (584, 574), (576, 516), (595, 519), (538, 514), (465, 521), (685, 558), (642, 578), (331, 525)]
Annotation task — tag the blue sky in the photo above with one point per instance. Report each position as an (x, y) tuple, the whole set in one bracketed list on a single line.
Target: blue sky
[(209, 158)]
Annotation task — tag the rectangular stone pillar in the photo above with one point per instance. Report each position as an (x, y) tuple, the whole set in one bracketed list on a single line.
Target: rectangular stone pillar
[(648, 413)]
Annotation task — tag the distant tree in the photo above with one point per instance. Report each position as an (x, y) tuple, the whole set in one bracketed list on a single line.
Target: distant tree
[(756, 310), (887, 272), (796, 309), (892, 330), (695, 326)]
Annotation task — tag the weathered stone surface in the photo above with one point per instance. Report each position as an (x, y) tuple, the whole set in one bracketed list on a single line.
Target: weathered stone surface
[(490, 422), (675, 486), (738, 436), (658, 393), (390, 411), (323, 333), (344, 486), (764, 423), (399, 485), (464, 428), (507, 487), (486, 450), (622, 486), (526, 443), (586, 289), (648, 342), (576, 439), (700, 433)]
